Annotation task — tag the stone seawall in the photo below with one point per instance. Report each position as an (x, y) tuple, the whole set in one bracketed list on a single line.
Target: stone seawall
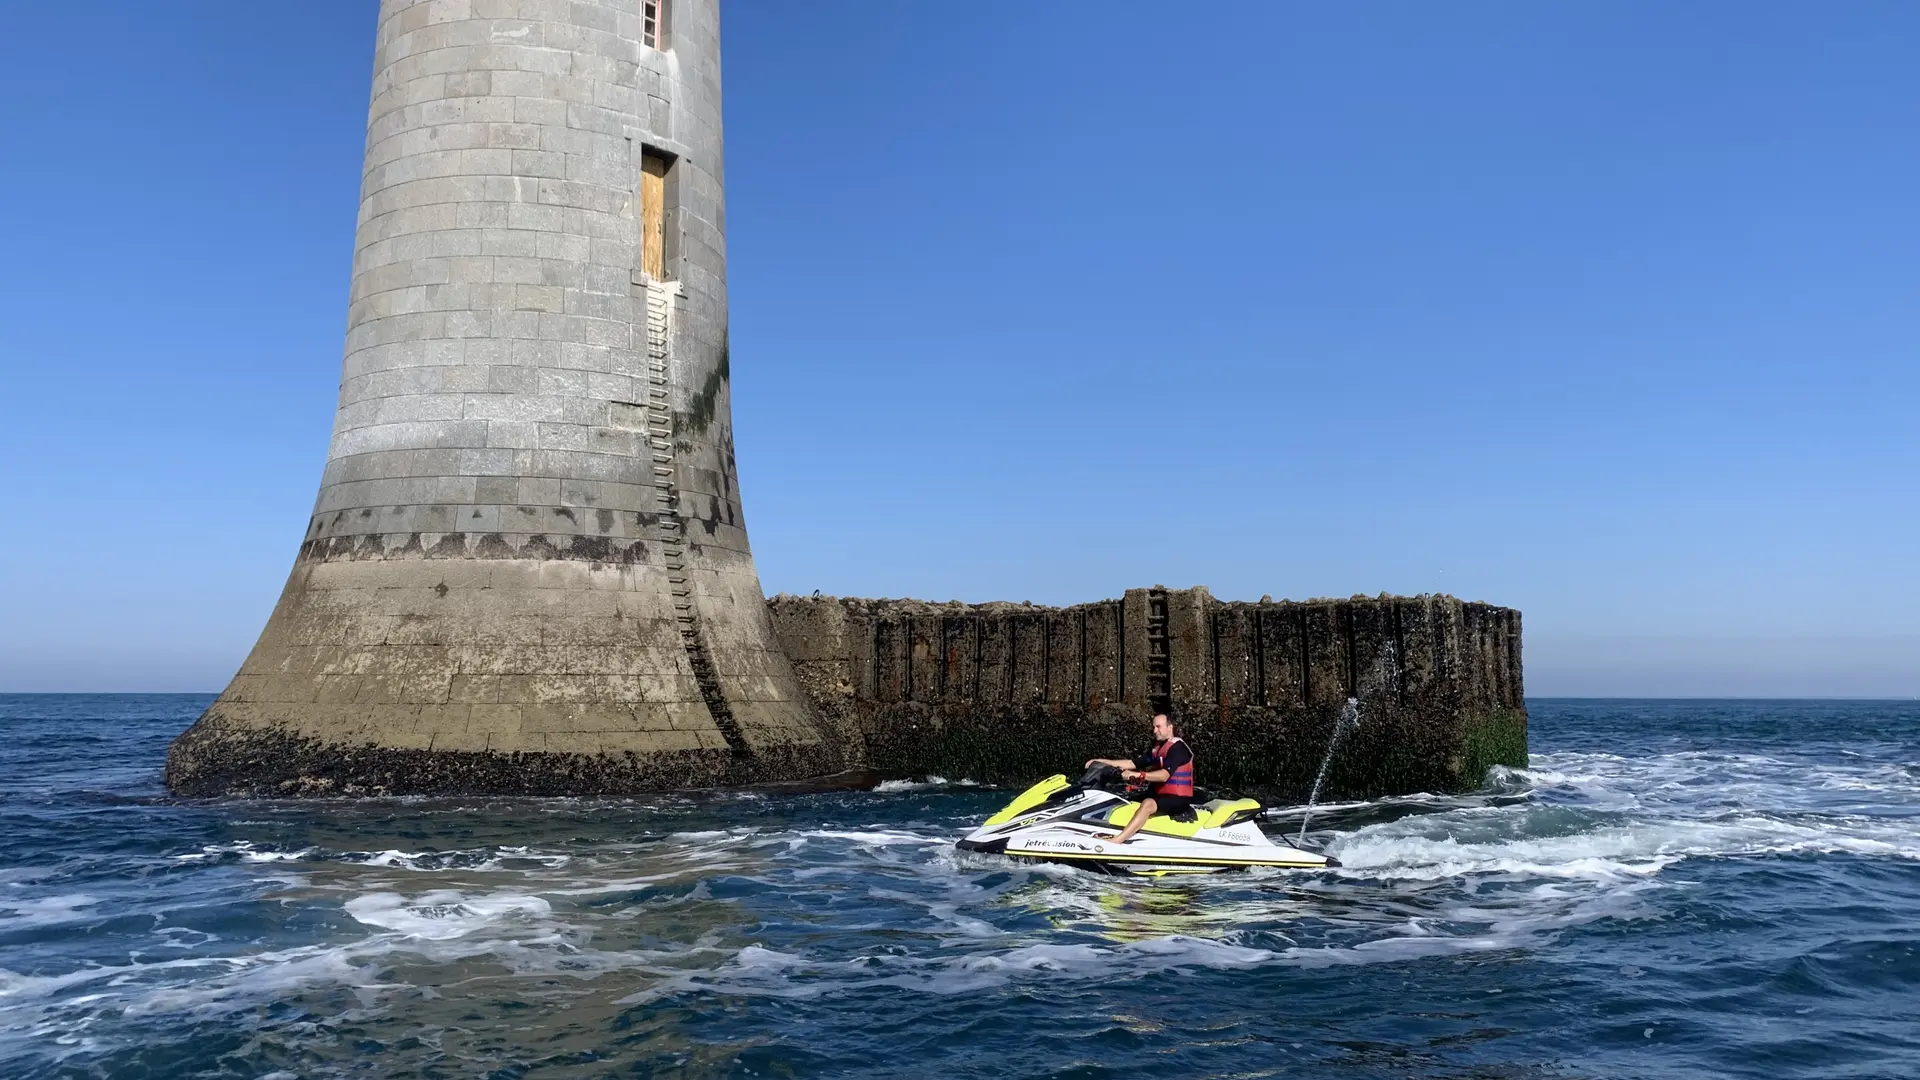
[(1012, 692)]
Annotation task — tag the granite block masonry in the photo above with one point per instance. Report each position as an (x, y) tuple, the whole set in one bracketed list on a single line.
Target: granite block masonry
[(527, 570), (1008, 693)]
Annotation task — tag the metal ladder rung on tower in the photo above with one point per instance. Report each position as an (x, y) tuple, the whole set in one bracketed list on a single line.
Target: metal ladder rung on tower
[(672, 529)]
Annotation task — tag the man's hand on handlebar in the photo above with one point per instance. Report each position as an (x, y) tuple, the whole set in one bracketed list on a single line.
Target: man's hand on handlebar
[(1123, 770)]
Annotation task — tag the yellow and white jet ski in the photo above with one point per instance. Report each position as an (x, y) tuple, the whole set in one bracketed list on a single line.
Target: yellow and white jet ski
[(1057, 820)]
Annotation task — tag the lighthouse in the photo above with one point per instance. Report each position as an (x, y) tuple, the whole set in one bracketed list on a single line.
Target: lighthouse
[(527, 569)]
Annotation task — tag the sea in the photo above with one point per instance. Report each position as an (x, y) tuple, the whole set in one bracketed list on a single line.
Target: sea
[(1669, 889)]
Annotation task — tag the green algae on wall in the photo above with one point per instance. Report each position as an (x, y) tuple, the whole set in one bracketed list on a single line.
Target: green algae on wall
[(1497, 738)]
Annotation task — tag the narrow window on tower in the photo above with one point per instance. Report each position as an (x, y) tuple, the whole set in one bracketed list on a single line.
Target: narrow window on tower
[(654, 191), (653, 23)]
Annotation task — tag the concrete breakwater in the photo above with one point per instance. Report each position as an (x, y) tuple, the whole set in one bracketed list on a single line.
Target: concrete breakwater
[(1007, 692)]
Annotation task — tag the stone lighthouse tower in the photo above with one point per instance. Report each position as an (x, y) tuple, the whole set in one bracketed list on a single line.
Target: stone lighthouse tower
[(527, 570)]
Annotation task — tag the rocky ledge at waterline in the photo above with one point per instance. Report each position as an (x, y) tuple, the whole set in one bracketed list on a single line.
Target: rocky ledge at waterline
[(1000, 693), (1007, 693)]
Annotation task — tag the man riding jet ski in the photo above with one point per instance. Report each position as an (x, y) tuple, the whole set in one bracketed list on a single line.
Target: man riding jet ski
[(1058, 821), (1167, 771)]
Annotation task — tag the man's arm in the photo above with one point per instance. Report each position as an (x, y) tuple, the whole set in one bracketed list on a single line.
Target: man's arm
[(1176, 757), (1142, 769)]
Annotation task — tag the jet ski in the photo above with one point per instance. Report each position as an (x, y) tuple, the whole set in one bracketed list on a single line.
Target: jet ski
[(1057, 820)]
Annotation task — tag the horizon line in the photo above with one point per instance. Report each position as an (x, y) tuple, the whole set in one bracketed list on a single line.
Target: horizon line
[(1529, 697)]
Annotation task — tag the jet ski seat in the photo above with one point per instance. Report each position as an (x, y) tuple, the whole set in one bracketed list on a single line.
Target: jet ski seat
[(1223, 812), (1211, 815)]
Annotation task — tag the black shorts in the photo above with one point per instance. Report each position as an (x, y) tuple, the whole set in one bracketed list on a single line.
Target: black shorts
[(1169, 804)]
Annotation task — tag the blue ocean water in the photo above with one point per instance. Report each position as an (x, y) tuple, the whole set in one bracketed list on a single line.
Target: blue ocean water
[(1670, 889)]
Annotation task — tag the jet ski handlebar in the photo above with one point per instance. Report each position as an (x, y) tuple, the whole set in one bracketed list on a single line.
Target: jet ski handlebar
[(1108, 778)]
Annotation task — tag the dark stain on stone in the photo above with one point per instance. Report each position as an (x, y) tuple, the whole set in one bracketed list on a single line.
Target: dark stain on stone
[(618, 551), (595, 549), (565, 512), (711, 522), (605, 520), (700, 409), (440, 590)]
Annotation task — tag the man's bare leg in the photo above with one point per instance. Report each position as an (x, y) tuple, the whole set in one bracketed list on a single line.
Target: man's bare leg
[(1141, 813)]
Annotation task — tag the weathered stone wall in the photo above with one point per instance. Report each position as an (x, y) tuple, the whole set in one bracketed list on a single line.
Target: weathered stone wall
[(1011, 692)]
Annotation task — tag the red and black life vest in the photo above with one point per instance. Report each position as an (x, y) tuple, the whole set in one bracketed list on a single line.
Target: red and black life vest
[(1179, 781)]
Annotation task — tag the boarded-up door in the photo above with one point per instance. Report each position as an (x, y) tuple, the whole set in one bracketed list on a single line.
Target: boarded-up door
[(653, 215)]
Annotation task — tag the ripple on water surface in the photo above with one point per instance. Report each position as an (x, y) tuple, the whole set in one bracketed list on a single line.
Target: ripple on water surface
[(1669, 889)]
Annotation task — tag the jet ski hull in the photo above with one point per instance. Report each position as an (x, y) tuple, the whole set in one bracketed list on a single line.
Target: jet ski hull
[(1055, 821)]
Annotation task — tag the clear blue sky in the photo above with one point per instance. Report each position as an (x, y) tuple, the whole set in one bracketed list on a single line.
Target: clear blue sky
[(1609, 312)]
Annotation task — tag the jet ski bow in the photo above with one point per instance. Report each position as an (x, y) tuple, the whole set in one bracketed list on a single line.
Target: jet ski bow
[(1057, 820)]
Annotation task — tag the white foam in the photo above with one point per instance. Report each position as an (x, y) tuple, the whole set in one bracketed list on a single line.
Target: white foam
[(1683, 780), (758, 971), (515, 931), (16, 988), (931, 783), (644, 881), (444, 914), (261, 977), (1594, 856), (23, 913), (1608, 849), (405, 860), (877, 837), (422, 861), (247, 851)]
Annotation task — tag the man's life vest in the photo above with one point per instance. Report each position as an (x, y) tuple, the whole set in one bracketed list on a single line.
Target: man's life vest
[(1179, 781)]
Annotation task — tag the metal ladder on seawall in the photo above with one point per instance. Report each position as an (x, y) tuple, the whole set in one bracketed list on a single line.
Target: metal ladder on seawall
[(673, 527), (1159, 655)]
